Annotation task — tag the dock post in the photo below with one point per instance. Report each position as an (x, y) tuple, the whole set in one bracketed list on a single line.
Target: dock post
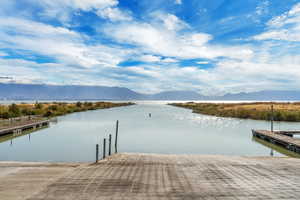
[(116, 138), (97, 152), (272, 117), (109, 145), (104, 148)]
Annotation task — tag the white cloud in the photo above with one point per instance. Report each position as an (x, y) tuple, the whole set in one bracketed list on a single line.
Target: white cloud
[(31, 28), (61, 9), (2, 54), (202, 62), (114, 14), (90, 4), (63, 45), (171, 22), (86, 5), (21, 71), (149, 58), (291, 16), (262, 8), (178, 2), (158, 59), (283, 27), (154, 39), (283, 34), (169, 60)]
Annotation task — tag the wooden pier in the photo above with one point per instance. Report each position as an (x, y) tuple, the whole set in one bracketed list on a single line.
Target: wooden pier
[(282, 138), (25, 126)]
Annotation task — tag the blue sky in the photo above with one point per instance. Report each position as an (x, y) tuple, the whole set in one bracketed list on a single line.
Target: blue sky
[(209, 46)]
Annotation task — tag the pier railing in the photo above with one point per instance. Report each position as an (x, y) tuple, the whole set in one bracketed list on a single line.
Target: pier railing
[(19, 121)]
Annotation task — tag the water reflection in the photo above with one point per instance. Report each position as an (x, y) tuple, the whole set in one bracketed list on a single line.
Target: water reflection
[(277, 148), (11, 137)]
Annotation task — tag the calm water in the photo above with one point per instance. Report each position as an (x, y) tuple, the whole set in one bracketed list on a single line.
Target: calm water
[(170, 130)]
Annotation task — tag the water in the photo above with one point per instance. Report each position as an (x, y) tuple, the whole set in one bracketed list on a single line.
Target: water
[(170, 130)]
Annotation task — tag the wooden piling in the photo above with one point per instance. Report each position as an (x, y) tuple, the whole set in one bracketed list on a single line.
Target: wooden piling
[(97, 152), (109, 145), (116, 138), (272, 118), (104, 148)]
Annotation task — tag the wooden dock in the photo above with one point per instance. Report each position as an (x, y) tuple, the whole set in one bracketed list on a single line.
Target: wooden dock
[(288, 133), (154, 177), (282, 138), (24, 126)]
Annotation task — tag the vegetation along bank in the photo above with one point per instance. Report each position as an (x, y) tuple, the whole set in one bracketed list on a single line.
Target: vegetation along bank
[(258, 110), (52, 109)]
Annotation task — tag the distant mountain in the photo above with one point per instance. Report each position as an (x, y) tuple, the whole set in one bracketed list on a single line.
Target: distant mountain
[(69, 92), (177, 95), (10, 91), (268, 95)]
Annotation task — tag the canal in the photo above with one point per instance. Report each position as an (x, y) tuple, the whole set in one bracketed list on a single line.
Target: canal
[(169, 130)]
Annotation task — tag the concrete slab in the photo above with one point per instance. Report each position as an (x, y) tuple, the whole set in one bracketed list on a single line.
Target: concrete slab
[(153, 176)]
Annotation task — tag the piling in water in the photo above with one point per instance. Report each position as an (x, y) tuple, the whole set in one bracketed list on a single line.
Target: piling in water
[(109, 145), (272, 117), (104, 148), (116, 138), (97, 152)]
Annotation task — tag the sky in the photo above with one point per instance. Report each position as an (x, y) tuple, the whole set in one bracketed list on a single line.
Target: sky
[(209, 46)]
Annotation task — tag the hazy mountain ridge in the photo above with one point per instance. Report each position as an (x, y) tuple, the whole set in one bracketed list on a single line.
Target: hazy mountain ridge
[(49, 92), (78, 92), (177, 95), (267, 95)]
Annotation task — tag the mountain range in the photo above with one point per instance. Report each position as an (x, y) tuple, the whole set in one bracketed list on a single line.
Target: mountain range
[(13, 91)]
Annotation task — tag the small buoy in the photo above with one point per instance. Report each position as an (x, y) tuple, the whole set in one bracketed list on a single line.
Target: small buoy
[(149, 114)]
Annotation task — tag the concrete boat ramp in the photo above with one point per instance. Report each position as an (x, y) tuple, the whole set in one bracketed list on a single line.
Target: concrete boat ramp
[(153, 176)]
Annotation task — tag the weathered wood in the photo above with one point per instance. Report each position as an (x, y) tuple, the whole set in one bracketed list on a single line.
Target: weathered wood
[(289, 133), (104, 148), (272, 118), (18, 129), (155, 177), (292, 144), (97, 152), (109, 145), (116, 138)]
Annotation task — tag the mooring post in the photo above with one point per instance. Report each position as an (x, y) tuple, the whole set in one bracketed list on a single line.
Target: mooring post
[(272, 117), (97, 152), (116, 138), (109, 145), (104, 148)]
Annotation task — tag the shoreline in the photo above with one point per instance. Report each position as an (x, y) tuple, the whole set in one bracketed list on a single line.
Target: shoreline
[(51, 109), (283, 112)]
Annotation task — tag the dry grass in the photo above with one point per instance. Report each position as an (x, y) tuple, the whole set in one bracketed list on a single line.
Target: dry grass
[(258, 110), (52, 109), (265, 106)]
